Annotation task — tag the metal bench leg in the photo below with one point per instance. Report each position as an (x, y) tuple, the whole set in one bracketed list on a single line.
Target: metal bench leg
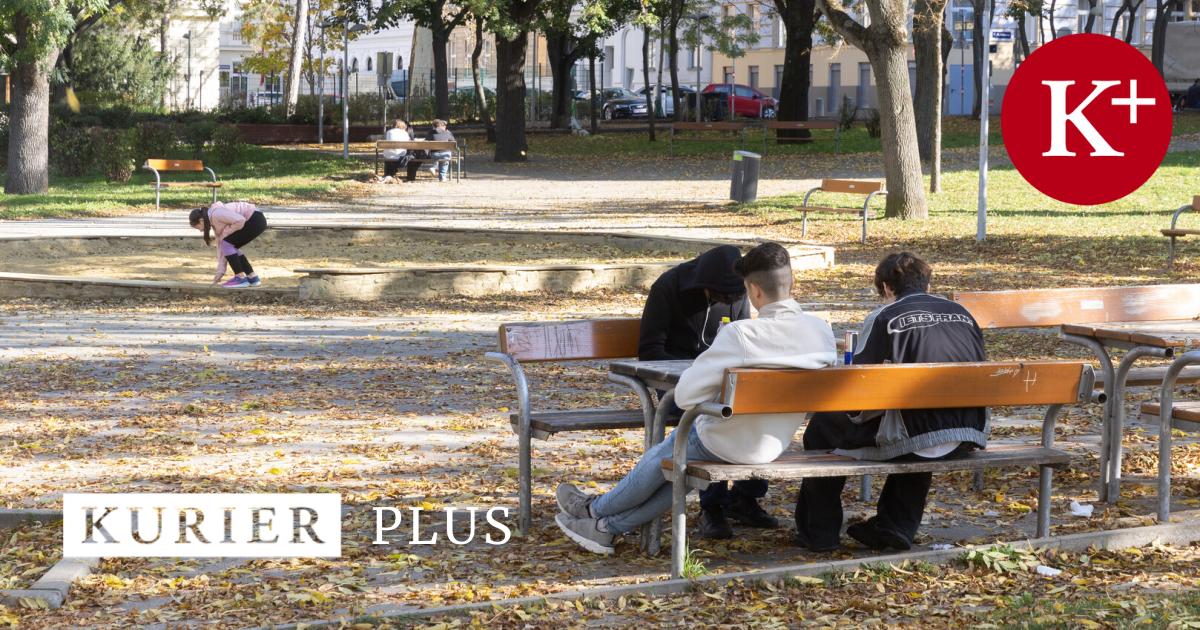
[(524, 439), (977, 482), (1117, 423), (1110, 379), (804, 225), (864, 488), (157, 202), (1171, 255), (1044, 495), (1166, 403), (864, 230), (678, 478)]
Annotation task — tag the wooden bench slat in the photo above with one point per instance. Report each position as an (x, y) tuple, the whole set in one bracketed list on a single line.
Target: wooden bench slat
[(1181, 409), (853, 186), (571, 341), (1038, 308), (417, 145), (1153, 376), (1180, 232), (159, 164), (584, 420), (800, 124), (858, 211), (801, 464), (183, 184), (1196, 203), (708, 126)]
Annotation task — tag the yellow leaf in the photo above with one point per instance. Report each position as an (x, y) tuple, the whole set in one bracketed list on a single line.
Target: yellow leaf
[(274, 471)]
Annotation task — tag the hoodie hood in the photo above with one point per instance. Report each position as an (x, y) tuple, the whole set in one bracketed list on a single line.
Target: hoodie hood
[(713, 270)]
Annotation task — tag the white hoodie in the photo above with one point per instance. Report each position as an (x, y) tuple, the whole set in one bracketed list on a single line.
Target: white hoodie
[(783, 336)]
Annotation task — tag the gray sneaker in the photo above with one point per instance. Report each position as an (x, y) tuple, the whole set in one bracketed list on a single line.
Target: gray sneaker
[(585, 532), (573, 501)]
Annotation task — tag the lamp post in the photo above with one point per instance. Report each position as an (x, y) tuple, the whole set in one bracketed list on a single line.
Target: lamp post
[(348, 28), (698, 18), (188, 101), (327, 22)]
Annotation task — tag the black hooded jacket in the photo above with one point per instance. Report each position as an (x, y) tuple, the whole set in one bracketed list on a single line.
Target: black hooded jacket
[(679, 322)]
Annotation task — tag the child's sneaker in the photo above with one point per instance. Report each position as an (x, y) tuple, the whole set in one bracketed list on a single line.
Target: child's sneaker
[(236, 283), (254, 281)]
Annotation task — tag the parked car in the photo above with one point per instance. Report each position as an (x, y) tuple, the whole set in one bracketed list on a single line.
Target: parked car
[(619, 102), (746, 101), (666, 108)]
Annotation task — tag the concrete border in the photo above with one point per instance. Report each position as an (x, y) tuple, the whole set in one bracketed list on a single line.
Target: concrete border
[(52, 588), (368, 283), (1184, 532)]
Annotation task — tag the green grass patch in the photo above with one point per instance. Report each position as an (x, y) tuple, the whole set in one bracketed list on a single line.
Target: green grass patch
[(957, 132), (1116, 611), (264, 176)]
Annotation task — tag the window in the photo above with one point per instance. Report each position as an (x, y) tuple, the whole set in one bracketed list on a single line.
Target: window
[(354, 64), (778, 78), (399, 61), (368, 63), (743, 91), (780, 33), (695, 60), (727, 73), (754, 76)]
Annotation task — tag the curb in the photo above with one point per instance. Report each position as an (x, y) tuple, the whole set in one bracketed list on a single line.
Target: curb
[(10, 518), (50, 590), (1172, 533)]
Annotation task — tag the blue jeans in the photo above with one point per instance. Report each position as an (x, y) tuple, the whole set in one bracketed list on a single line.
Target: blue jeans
[(644, 493), (443, 163)]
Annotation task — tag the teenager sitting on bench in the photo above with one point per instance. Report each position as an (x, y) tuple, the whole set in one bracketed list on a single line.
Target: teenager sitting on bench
[(783, 336), (911, 327)]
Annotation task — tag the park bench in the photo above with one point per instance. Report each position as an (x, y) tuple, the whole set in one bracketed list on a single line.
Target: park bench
[(880, 387), (582, 340), (160, 166), (1046, 308), (793, 125), (1175, 231), (457, 152), (870, 188), (696, 131)]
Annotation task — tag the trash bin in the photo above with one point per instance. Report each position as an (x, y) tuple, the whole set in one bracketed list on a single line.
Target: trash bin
[(744, 184)]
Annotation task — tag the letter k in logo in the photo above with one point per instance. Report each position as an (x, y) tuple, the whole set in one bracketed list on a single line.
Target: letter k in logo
[(1059, 119)]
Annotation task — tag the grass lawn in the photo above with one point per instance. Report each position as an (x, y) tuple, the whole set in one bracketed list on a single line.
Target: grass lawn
[(957, 132), (264, 176)]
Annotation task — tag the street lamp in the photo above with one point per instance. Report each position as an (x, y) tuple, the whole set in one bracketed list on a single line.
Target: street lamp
[(349, 28), (188, 100), (326, 23)]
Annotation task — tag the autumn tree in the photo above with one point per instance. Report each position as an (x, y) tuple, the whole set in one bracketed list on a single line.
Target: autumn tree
[(980, 55), (32, 35), (295, 65), (799, 19), (931, 41), (572, 31), (441, 17), (1129, 8), (511, 25), (885, 43)]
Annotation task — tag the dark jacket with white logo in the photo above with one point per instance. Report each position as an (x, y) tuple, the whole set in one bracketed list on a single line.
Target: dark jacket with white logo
[(922, 328)]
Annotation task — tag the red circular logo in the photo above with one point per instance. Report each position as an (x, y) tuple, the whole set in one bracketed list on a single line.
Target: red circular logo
[(1086, 119)]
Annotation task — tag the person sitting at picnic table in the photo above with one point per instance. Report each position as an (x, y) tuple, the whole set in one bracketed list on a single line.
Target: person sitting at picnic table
[(441, 166), (683, 313), (1193, 96), (912, 326), (393, 159), (783, 336)]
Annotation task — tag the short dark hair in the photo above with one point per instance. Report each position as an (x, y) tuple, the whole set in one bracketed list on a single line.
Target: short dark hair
[(769, 266), (902, 272)]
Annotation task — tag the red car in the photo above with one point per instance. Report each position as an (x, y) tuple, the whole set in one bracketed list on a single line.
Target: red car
[(746, 101)]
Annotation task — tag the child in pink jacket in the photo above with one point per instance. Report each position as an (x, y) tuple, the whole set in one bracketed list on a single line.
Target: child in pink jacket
[(235, 223)]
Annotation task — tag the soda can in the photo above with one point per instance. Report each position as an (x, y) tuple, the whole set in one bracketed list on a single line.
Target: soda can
[(851, 343)]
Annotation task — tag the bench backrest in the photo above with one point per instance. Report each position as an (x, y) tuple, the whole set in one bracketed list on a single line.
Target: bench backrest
[(801, 124), (174, 165), (1052, 307), (571, 341), (1196, 203), (427, 145), (853, 186), (708, 126), (910, 386)]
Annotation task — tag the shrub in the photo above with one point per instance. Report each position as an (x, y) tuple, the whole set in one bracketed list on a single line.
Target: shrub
[(118, 117), (846, 114), (873, 122), (197, 133), (70, 149), (156, 140), (115, 149), (227, 145)]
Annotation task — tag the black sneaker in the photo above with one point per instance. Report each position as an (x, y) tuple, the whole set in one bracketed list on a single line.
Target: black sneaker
[(714, 526), (749, 513), (801, 539), (872, 535)]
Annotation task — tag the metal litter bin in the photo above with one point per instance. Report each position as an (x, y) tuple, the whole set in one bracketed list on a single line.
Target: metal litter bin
[(743, 186)]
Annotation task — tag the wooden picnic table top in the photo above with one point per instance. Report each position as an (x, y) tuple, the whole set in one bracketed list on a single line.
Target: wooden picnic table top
[(653, 373), (415, 144), (1179, 333)]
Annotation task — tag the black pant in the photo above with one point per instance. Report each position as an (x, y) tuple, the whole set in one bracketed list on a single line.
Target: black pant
[(717, 495), (254, 226), (391, 167), (413, 166), (819, 506)]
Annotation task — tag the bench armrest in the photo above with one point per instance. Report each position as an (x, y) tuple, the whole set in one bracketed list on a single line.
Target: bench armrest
[(522, 384), (808, 194), (211, 172), (1175, 217), (652, 431), (157, 177)]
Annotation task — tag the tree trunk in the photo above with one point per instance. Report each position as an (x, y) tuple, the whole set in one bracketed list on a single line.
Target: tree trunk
[(164, 56), (510, 98), (592, 92), (441, 87), (1022, 37), (560, 53), (927, 40), (1091, 19), (898, 127), (1131, 23), (1053, 20), (799, 18), (1116, 22), (657, 91), (646, 79), (299, 25), (673, 46), (979, 50), (1159, 41), (29, 119), (481, 103)]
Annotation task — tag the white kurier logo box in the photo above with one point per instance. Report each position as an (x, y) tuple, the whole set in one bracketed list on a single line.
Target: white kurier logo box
[(131, 525)]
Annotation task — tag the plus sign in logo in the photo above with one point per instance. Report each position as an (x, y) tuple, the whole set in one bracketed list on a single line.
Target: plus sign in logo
[(1086, 119)]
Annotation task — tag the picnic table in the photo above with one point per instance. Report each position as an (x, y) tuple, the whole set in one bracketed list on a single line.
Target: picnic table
[(1152, 338)]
